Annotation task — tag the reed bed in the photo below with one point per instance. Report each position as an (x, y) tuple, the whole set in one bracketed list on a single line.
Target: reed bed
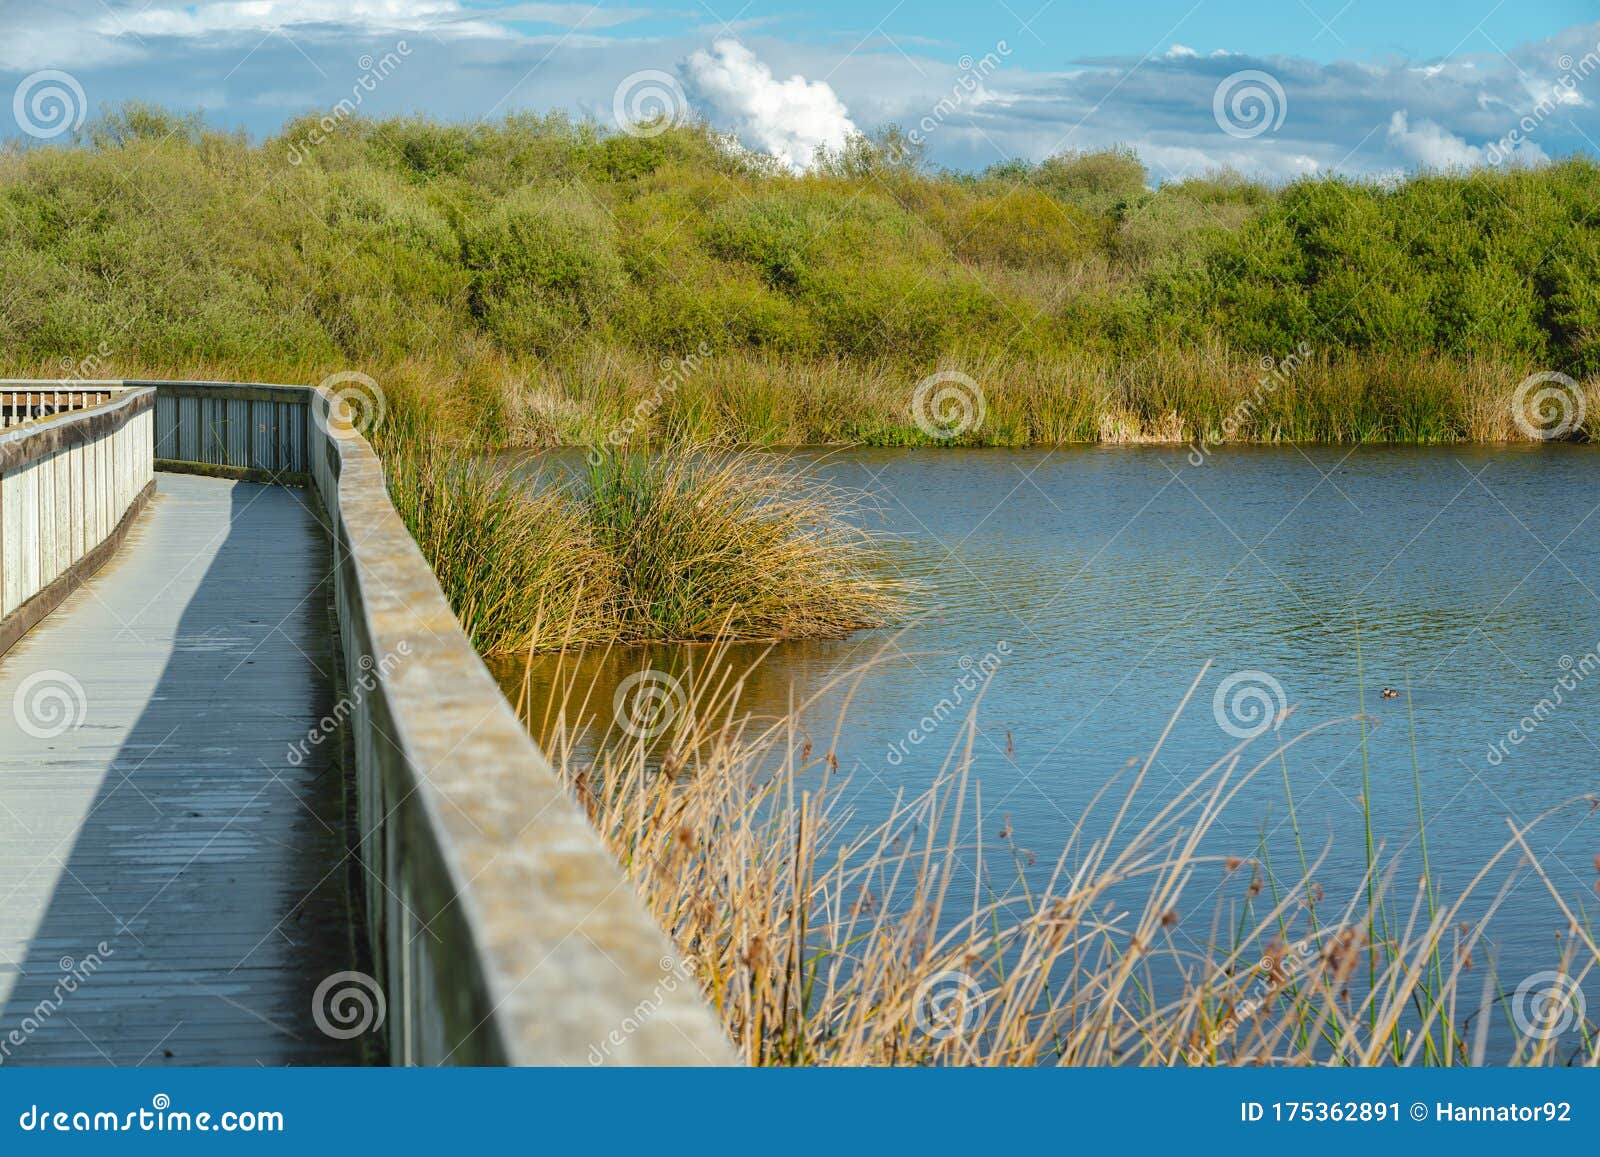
[(919, 940), (1194, 394)]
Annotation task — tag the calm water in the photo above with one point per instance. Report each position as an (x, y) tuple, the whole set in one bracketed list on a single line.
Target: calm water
[(1112, 576)]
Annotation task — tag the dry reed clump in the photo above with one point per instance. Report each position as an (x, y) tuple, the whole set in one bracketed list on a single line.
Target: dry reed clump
[(510, 556), (919, 940), (685, 544), (712, 543)]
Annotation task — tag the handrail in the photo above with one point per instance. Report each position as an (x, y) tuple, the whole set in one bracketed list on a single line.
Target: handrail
[(28, 402), (502, 930), (71, 485)]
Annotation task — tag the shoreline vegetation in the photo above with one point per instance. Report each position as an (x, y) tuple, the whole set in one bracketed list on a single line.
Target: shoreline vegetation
[(542, 282), (919, 940)]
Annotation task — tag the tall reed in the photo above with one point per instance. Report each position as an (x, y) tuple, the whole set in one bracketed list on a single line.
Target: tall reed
[(919, 939)]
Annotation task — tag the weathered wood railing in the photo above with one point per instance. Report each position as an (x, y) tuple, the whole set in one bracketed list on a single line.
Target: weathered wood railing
[(29, 403), (73, 474), (502, 931)]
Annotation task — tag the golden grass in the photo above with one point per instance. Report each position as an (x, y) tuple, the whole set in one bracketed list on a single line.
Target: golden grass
[(684, 545), (908, 942), (613, 396)]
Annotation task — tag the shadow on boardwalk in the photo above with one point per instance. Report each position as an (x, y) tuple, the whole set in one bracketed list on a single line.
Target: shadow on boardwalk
[(174, 883)]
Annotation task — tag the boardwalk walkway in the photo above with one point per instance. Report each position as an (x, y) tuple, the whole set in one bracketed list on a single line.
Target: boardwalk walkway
[(173, 883)]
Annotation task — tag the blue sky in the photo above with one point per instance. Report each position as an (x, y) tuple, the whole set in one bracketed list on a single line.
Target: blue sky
[(1274, 89)]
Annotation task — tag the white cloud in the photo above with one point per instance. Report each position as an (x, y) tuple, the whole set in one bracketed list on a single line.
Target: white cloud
[(786, 119), (1430, 145), (225, 17), (1434, 147)]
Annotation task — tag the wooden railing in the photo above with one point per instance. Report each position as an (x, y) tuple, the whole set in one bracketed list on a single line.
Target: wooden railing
[(71, 481), (26, 403)]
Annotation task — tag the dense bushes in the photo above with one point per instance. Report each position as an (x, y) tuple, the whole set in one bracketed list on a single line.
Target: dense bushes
[(534, 253)]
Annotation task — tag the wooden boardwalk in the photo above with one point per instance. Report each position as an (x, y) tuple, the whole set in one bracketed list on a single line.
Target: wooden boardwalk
[(174, 882)]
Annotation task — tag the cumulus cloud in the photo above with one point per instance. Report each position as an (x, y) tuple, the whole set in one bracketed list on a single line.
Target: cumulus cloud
[(786, 119), (1430, 145), (1433, 147)]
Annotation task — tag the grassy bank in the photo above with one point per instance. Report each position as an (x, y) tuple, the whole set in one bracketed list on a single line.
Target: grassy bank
[(544, 282)]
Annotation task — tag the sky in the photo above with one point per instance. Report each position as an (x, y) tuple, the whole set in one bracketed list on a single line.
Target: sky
[(1275, 90)]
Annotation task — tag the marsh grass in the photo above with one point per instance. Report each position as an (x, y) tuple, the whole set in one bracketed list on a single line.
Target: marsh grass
[(711, 543), (919, 939), (1175, 395), (683, 545)]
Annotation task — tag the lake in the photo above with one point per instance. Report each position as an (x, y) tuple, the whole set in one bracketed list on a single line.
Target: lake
[(1096, 583)]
